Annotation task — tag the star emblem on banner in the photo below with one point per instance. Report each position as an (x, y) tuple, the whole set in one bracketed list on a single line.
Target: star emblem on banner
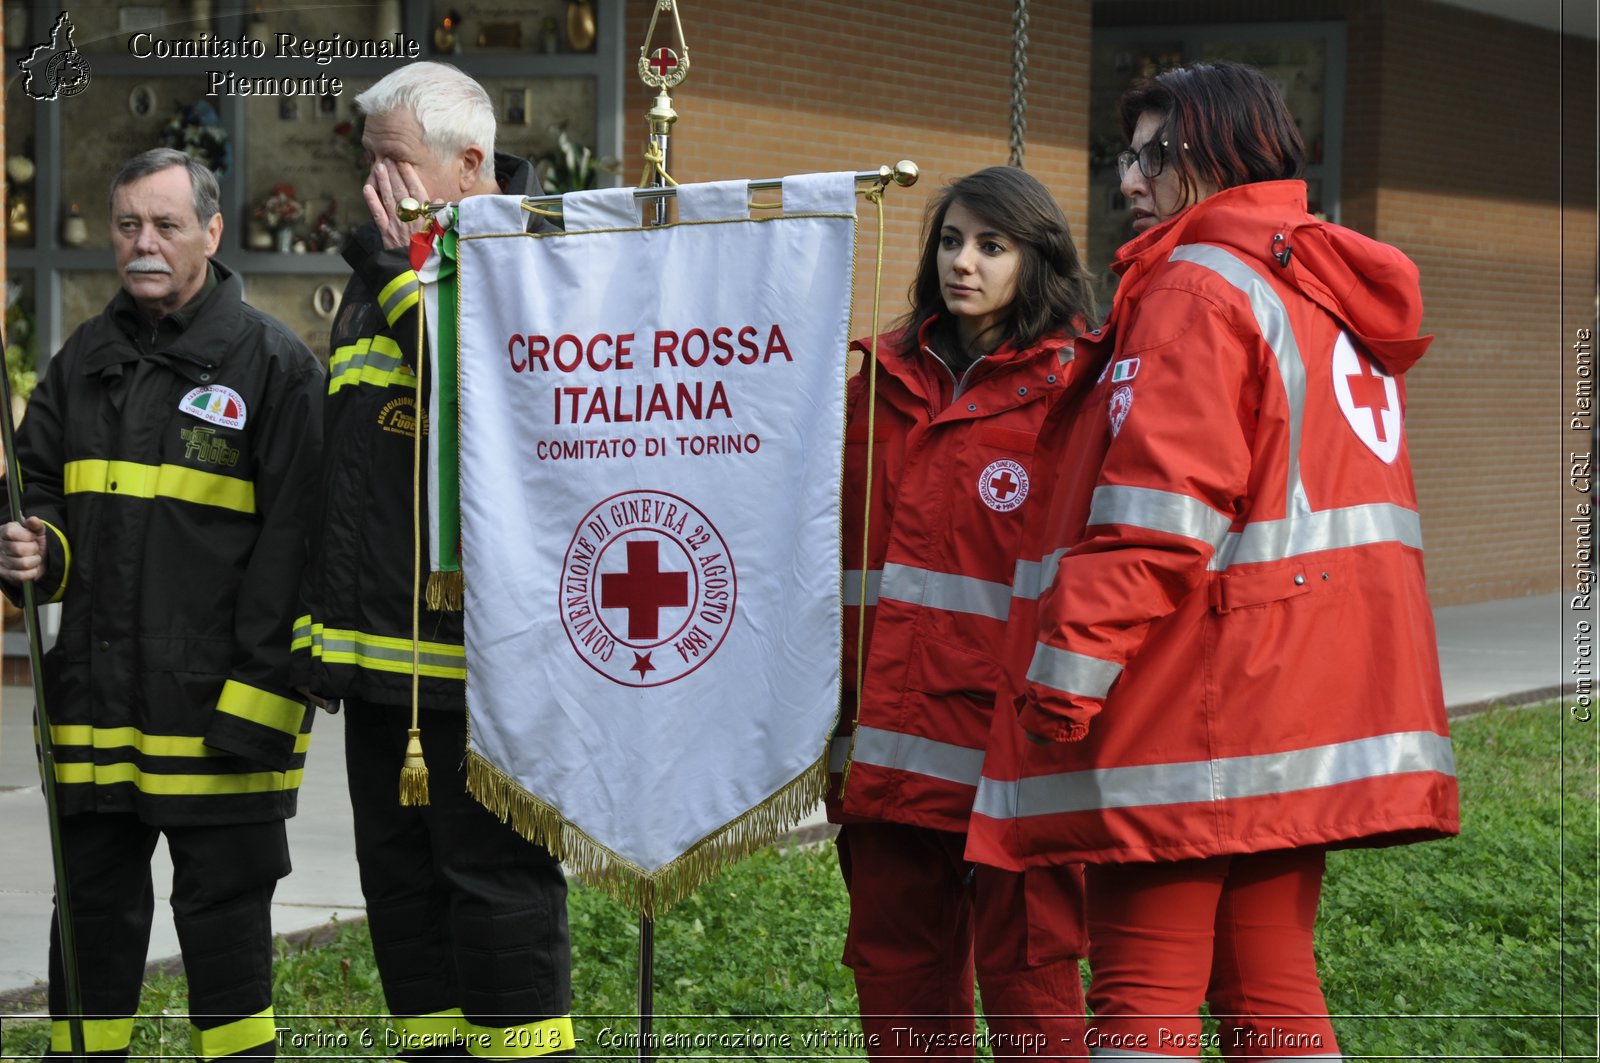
[(642, 665)]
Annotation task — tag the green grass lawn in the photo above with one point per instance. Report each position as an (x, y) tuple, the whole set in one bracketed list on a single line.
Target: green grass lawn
[(1473, 948)]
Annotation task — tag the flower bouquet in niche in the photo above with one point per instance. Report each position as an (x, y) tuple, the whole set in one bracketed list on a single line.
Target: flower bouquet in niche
[(278, 213), (197, 131), (571, 167)]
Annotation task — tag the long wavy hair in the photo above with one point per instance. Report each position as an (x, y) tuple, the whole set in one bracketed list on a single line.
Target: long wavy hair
[(1053, 289), (1225, 124)]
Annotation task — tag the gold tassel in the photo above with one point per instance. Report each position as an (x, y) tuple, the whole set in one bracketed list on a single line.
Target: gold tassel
[(414, 775), (446, 592)]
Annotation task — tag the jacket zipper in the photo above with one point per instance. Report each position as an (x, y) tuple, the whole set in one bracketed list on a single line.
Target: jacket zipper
[(958, 384)]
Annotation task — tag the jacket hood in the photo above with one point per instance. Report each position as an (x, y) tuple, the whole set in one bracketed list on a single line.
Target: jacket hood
[(1371, 288)]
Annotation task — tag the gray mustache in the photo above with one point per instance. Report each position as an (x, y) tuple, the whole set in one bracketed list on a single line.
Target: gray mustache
[(147, 265)]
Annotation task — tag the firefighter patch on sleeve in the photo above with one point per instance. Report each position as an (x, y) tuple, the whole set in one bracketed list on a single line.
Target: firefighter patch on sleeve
[(1003, 485), (216, 405), (1369, 399), (1121, 403)]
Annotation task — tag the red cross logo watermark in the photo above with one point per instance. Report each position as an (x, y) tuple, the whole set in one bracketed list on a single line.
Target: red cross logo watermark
[(1369, 398), (648, 588), (1003, 485)]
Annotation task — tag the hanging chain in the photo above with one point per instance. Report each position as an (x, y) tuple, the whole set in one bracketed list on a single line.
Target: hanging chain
[(1019, 79)]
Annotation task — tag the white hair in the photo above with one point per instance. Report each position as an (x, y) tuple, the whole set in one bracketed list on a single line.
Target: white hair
[(453, 109)]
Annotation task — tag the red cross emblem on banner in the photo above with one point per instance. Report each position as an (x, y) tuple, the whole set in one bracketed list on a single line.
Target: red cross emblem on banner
[(1004, 485), (648, 591), (644, 590)]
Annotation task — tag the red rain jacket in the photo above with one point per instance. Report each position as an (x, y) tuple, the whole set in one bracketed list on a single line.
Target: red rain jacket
[(951, 473), (1233, 649)]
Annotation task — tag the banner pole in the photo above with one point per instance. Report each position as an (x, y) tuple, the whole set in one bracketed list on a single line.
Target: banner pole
[(647, 962), (660, 69), (47, 753)]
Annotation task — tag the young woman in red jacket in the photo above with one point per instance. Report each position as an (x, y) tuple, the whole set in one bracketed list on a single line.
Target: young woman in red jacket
[(938, 474), (1232, 667)]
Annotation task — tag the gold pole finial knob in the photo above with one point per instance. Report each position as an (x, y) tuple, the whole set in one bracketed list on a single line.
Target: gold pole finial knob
[(408, 209), (905, 173)]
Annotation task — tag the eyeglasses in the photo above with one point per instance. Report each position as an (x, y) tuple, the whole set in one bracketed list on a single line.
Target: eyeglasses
[(1151, 158)]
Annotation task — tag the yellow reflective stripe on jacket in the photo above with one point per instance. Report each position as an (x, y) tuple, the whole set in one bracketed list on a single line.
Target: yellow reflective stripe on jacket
[(66, 562), (67, 735), (162, 784), (521, 1042), (99, 1035), (98, 476), (379, 653), (234, 1037), (375, 360), (260, 707), (399, 295)]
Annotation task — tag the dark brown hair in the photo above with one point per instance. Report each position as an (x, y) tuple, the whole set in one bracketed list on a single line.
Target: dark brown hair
[(1225, 124), (1053, 288)]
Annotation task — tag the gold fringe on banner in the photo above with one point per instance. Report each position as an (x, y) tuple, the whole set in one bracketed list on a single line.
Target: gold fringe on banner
[(446, 592), (651, 893)]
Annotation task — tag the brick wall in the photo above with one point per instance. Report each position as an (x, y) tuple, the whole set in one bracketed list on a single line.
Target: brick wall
[(840, 84), (1466, 173), (1453, 152)]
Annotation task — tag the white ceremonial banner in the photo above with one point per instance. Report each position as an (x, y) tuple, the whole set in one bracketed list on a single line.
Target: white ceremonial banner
[(652, 425)]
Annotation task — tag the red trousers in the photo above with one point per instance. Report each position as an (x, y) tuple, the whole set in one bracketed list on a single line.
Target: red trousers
[(1232, 930), (922, 920)]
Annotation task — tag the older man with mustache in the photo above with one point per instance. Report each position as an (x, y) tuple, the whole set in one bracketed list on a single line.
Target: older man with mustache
[(167, 460)]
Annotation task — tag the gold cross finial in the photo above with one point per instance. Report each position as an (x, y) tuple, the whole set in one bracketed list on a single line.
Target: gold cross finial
[(663, 67)]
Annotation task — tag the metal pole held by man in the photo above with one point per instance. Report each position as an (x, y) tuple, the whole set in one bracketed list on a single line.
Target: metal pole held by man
[(47, 750)]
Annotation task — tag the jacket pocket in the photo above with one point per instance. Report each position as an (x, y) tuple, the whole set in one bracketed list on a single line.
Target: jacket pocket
[(946, 669), (1007, 438)]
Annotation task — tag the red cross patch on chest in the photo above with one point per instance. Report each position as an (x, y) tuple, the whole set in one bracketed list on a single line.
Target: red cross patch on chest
[(1003, 485)]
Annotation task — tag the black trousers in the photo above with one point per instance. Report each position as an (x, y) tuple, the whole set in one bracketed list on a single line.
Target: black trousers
[(464, 912), (223, 878)]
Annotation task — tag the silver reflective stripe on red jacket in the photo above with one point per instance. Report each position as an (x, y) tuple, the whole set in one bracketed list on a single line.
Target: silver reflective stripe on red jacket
[(1302, 530), (1272, 318), (853, 589), (1072, 673), (936, 590), (1223, 779), (1033, 578), (921, 756), (946, 590)]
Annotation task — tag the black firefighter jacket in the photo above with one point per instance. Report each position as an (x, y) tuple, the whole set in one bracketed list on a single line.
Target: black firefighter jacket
[(354, 641), (174, 469)]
